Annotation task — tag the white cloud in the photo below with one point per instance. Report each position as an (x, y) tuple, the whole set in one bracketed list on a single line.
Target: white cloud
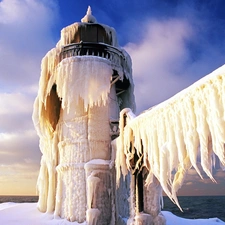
[(165, 61), (26, 35), (25, 27), (158, 61), (19, 101), (15, 111), (18, 146)]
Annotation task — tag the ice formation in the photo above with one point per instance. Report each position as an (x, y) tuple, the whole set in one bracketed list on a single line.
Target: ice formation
[(169, 137), (89, 18), (78, 103), (73, 124)]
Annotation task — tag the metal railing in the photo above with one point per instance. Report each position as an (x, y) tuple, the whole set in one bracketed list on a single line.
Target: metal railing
[(94, 49)]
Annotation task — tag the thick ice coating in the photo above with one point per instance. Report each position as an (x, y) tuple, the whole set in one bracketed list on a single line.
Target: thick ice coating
[(171, 135), (64, 123), (77, 100)]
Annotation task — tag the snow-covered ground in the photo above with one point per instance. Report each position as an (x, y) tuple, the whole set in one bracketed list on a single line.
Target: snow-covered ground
[(27, 213)]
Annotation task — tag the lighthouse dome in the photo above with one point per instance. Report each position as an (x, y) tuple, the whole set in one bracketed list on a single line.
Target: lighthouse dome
[(88, 30)]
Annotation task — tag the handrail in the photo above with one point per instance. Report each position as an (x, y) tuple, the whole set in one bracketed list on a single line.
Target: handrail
[(93, 49)]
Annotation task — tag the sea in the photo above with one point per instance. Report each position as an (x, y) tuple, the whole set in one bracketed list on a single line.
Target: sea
[(194, 207)]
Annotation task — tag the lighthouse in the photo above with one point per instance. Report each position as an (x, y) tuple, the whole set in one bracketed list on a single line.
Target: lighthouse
[(86, 80)]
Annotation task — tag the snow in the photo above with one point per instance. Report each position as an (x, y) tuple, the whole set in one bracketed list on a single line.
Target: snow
[(171, 135), (27, 213), (173, 220), (88, 18)]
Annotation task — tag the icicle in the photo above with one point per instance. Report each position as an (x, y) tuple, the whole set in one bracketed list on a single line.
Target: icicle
[(120, 156), (164, 172), (179, 136), (203, 132), (177, 129), (191, 136), (216, 123), (172, 147), (92, 216)]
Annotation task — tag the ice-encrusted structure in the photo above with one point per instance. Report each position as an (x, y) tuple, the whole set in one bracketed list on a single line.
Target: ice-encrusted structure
[(102, 164), (169, 138), (85, 81)]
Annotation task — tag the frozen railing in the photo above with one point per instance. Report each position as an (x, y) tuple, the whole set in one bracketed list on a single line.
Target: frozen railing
[(94, 49)]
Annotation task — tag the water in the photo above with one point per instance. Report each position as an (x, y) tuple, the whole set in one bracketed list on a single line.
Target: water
[(194, 207), (18, 199)]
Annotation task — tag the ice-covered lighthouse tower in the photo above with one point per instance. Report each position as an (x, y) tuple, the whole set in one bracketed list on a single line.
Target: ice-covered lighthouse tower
[(85, 81)]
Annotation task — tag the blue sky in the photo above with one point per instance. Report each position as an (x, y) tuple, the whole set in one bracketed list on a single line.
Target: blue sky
[(172, 44)]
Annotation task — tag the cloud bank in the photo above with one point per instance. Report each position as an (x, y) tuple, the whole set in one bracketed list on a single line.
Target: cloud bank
[(25, 27), (158, 61)]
